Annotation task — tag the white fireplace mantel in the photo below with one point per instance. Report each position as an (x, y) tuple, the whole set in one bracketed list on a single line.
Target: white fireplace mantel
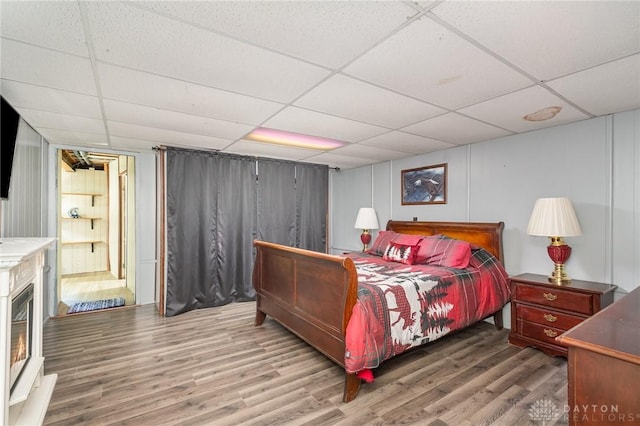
[(22, 263)]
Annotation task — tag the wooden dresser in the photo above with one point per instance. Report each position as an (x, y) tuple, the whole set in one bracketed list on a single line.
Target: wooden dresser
[(604, 365), (541, 310)]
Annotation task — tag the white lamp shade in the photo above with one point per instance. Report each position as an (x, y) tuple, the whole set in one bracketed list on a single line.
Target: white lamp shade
[(366, 219), (553, 217)]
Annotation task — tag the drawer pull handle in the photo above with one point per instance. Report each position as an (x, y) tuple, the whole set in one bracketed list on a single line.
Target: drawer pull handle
[(550, 317), (550, 333), (550, 296)]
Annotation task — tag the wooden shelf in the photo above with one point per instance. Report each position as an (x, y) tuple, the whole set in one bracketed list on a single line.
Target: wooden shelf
[(89, 194), (81, 217), (83, 242), (93, 243), (81, 193)]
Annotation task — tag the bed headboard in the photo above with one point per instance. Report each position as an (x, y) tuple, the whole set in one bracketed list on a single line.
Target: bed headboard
[(485, 235)]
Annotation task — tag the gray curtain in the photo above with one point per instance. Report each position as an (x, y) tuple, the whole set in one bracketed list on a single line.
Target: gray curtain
[(312, 205), (293, 203), (277, 201), (216, 206), (210, 229)]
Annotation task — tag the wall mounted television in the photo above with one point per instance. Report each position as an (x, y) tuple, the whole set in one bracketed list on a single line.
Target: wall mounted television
[(9, 119)]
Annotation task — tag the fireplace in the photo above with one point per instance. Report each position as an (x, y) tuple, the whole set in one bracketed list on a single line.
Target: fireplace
[(21, 334), (25, 390)]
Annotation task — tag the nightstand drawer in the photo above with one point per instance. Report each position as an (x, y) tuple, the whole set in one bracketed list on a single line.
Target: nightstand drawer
[(541, 333), (548, 317), (556, 298)]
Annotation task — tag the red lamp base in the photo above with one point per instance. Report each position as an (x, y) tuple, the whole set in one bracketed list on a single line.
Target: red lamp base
[(559, 252), (365, 237)]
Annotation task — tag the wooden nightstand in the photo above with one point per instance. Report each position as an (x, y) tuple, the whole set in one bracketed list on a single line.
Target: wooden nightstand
[(541, 310)]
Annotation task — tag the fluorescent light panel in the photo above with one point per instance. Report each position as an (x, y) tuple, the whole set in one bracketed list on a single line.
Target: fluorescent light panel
[(280, 137)]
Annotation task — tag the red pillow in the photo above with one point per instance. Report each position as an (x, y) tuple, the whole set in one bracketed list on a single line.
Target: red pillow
[(401, 253), (439, 250), (408, 240), (381, 242)]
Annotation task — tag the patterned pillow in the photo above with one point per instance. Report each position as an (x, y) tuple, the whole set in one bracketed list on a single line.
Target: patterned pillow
[(381, 242), (401, 253), (439, 250)]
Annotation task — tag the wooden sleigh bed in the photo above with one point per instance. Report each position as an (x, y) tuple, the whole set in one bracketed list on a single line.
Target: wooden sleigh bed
[(313, 294)]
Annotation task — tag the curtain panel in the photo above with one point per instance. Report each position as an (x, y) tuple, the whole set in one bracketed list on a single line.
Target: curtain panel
[(210, 228), (276, 202), (312, 206), (217, 204)]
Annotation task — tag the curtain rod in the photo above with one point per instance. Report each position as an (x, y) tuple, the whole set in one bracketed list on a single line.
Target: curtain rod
[(175, 148), (165, 148)]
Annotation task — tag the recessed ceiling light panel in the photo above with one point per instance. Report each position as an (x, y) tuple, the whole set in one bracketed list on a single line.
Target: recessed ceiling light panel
[(280, 137)]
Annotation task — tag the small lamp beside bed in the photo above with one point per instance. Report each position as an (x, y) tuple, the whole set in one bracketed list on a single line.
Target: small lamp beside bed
[(555, 218), (366, 220)]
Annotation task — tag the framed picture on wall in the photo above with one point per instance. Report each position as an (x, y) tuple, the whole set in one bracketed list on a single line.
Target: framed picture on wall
[(424, 185)]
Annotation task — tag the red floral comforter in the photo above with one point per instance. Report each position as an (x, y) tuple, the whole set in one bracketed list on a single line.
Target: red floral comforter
[(402, 306)]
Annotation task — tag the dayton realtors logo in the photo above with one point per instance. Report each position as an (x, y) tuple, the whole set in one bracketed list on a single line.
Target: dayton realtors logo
[(545, 410)]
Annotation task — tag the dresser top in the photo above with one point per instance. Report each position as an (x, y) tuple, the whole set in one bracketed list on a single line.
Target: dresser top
[(15, 249), (614, 331)]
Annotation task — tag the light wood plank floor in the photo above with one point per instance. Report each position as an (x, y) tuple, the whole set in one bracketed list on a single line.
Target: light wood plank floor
[(92, 286), (213, 367)]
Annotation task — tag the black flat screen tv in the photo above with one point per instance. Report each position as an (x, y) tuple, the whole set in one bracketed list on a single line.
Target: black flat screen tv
[(9, 119)]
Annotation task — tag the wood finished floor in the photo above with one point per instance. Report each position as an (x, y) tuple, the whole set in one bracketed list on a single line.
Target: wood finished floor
[(213, 367), (92, 286)]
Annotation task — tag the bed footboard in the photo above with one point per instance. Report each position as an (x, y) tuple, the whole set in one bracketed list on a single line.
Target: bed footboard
[(310, 293)]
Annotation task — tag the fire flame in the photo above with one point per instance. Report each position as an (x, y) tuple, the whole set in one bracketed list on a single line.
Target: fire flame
[(21, 350)]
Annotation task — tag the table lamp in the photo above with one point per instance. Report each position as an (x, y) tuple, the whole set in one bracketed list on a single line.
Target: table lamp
[(366, 220), (555, 218)]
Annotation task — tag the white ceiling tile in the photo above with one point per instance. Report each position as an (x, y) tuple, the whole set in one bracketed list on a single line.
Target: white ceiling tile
[(118, 142), (29, 64), (313, 123), (147, 41), (151, 90), (369, 152), (456, 129), (340, 161), (613, 87), (67, 137), (258, 149), (52, 120), (163, 136), (53, 100), (406, 142), (353, 99), (549, 39), (431, 72), (56, 25), (170, 120), (310, 30), (508, 111)]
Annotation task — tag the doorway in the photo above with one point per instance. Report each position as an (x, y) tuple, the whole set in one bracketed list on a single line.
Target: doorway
[(96, 241)]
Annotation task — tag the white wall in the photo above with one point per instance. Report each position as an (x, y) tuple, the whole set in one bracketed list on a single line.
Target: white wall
[(595, 163), (146, 257), (113, 169)]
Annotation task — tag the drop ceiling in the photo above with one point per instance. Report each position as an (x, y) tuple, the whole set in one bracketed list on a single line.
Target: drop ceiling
[(390, 79)]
